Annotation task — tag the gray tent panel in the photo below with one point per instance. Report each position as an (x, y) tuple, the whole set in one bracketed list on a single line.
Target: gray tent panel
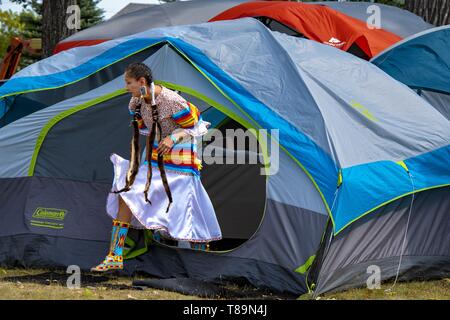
[(78, 147), (169, 14), (291, 185), (83, 205), (167, 262), (167, 65), (439, 101), (377, 239), (132, 7), (288, 236)]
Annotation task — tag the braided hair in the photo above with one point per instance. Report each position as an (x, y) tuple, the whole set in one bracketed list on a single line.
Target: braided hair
[(136, 71)]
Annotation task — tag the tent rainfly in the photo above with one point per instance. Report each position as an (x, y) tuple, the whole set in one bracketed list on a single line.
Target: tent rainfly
[(316, 22)]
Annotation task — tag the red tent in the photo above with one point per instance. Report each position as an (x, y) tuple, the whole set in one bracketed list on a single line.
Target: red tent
[(316, 22)]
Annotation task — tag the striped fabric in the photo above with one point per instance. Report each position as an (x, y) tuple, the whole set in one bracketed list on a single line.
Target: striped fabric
[(187, 117), (182, 158)]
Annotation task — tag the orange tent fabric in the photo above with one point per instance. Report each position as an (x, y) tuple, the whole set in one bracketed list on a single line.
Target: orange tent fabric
[(61, 46), (317, 22)]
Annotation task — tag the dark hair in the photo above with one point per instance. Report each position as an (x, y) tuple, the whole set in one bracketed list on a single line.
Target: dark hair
[(137, 70)]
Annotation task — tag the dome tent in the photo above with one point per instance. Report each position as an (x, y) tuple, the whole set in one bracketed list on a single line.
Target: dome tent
[(422, 63), (345, 154)]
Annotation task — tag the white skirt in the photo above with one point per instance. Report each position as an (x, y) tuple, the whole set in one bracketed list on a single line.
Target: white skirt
[(191, 216)]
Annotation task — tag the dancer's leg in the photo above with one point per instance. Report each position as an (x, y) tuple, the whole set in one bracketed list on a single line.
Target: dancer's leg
[(114, 259), (124, 214)]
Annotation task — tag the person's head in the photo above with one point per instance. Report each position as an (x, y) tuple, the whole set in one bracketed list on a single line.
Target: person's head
[(137, 75)]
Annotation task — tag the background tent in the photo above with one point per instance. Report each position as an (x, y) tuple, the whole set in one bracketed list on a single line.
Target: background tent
[(401, 22), (422, 62), (142, 18), (395, 20), (316, 22), (131, 7), (354, 144)]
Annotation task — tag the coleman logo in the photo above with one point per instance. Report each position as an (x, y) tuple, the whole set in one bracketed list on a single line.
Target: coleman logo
[(335, 42), (50, 213), (43, 215)]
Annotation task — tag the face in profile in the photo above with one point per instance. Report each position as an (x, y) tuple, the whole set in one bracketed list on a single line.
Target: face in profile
[(133, 85)]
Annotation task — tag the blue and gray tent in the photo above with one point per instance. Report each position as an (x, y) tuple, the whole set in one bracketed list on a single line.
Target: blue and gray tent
[(422, 62), (354, 146)]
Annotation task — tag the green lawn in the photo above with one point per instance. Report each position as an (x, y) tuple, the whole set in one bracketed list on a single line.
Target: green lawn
[(417, 290), (51, 285)]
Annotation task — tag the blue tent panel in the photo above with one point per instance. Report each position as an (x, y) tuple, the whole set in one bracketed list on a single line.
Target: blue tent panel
[(421, 61)]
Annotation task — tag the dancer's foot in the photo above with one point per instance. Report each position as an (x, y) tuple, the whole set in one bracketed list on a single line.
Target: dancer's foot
[(114, 259), (201, 246), (156, 236), (110, 263)]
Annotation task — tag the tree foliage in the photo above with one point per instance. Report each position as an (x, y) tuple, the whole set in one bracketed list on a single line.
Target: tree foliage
[(30, 20), (10, 26)]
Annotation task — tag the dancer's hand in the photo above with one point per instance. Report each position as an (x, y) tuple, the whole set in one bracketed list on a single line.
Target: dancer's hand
[(165, 145)]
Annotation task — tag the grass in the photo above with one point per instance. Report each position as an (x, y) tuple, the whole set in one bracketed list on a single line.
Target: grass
[(19, 284), (417, 290), (39, 284)]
